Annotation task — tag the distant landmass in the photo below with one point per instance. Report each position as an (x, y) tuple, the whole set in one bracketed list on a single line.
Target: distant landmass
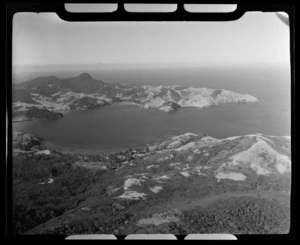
[(182, 184), (85, 92)]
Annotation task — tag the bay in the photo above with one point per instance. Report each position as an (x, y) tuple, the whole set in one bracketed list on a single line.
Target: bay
[(122, 125)]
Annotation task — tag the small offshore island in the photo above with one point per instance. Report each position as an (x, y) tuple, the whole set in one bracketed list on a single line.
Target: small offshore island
[(48, 97)]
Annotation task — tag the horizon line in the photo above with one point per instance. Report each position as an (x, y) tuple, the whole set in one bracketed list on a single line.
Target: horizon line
[(156, 63)]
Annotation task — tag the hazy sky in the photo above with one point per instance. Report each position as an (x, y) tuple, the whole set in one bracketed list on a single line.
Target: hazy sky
[(46, 39)]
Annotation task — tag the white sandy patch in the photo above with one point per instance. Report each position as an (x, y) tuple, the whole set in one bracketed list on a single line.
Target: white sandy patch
[(48, 182), (231, 175), (156, 189), (185, 173), (163, 177), (46, 152), (130, 182), (281, 168), (160, 218), (152, 166), (130, 194), (134, 195), (174, 164)]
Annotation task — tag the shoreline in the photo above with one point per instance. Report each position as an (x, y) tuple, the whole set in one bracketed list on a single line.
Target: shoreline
[(84, 151)]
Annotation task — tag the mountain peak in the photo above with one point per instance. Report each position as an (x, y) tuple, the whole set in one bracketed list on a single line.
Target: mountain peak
[(85, 76)]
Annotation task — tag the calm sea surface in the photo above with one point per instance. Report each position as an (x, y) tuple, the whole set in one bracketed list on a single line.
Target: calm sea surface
[(124, 126)]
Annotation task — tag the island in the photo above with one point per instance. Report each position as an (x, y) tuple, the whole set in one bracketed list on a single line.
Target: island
[(85, 92)]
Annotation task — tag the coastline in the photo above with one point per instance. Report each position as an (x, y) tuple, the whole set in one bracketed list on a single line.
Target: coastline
[(81, 151)]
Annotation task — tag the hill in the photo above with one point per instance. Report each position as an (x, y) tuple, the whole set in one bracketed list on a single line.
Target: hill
[(47, 86), (182, 184)]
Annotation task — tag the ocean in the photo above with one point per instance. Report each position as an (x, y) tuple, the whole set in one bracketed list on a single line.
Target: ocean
[(124, 125)]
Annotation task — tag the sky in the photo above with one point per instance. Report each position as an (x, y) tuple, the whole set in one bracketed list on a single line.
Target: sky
[(45, 39)]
